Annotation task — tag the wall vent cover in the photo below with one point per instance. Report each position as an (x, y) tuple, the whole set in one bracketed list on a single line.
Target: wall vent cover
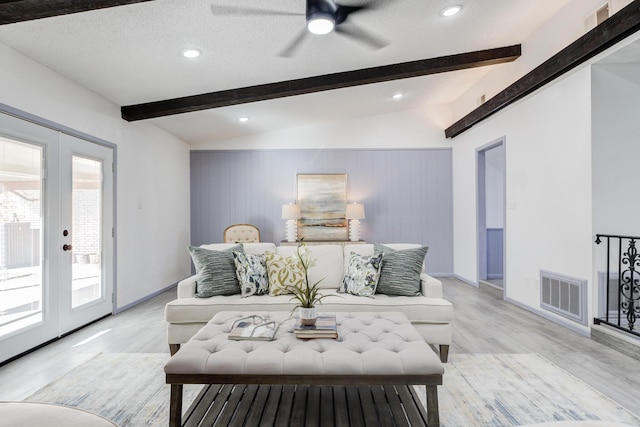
[(597, 17), (564, 295)]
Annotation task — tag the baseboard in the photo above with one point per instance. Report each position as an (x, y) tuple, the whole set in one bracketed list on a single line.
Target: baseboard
[(490, 287), (620, 341), (567, 324), (440, 274), (467, 281), (148, 297)]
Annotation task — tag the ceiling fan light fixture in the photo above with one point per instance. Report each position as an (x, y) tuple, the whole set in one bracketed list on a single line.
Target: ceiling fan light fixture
[(452, 10), (321, 23)]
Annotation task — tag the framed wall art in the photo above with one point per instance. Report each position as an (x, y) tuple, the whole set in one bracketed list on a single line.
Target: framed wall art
[(323, 203)]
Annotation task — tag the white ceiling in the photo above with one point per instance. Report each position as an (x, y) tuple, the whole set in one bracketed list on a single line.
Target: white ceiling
[(132, 54)]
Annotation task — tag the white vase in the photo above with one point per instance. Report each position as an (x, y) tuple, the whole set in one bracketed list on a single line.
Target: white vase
[(308, 316)]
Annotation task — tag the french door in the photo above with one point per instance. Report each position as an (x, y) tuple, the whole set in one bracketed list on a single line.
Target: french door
[(56, 234)]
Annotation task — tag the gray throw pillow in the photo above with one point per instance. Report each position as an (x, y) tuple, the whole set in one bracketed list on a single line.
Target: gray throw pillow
[(401, 269), (216, 271)]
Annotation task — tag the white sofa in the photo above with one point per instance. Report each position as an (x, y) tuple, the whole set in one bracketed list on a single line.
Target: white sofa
[(429, 312)]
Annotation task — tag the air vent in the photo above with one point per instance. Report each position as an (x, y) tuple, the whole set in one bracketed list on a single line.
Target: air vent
[(563, 295), (597, 17)]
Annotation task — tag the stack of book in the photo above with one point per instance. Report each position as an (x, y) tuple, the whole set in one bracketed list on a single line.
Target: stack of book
[(253, 327), (325, 327)]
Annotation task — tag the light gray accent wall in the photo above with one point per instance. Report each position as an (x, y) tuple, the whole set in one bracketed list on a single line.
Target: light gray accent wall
[(407, 194), (495, 253)]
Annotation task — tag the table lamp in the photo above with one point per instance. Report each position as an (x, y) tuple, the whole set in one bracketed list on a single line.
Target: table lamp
[(355, 212), (291, 213)]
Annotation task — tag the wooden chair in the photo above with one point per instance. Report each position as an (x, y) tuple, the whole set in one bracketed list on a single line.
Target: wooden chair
[(241, 233)]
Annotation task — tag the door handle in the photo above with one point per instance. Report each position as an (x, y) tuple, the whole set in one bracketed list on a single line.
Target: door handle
[(67, 247)]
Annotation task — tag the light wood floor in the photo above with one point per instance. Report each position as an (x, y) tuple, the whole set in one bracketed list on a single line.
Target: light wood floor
[(483, 323)]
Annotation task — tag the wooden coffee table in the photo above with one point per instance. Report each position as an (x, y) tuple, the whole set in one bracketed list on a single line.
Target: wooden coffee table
[(373, 349)]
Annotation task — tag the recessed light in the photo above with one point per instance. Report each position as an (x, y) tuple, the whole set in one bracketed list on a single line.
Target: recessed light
[(191, 53), (450, 11), (398, 96), (243, 119)]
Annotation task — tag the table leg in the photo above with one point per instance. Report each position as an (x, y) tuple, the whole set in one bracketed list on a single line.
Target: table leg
[(433, 416), (444, 353), (175, 408), (173, 348)]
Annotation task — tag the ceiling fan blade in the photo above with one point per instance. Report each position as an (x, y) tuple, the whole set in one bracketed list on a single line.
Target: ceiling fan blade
[(343, 12), (362, 36), (240, 10), (294, 45)]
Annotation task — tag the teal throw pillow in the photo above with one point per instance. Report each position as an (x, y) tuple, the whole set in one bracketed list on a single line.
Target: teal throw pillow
[(216, 271), (401, 269)]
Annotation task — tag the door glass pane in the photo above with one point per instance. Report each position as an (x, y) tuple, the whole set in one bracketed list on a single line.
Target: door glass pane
[(86, 237), (21, 290)]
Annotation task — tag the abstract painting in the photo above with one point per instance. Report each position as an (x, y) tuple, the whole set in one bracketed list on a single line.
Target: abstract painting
[(323, 203)]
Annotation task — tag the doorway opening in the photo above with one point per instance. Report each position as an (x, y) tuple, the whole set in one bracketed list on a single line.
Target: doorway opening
[(490, 167), (56, 234)]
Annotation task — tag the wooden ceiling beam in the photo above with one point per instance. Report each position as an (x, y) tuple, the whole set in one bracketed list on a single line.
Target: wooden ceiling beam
[(27, 10), (613, 30), (302, 86)]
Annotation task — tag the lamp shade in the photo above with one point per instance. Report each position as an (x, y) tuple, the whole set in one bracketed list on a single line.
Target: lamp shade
[(290, 211), (355, 211)]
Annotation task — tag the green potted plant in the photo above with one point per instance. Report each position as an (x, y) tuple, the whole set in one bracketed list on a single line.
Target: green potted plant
[(306, 295)]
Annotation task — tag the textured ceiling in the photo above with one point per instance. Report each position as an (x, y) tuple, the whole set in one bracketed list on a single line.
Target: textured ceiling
[(132, 54)]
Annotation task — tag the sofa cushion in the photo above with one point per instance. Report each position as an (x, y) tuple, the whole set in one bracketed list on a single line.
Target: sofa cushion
[(328, 265), (216, 271), (252, 273), (284, 272), (401, 269), (418, 309), (361, 274)]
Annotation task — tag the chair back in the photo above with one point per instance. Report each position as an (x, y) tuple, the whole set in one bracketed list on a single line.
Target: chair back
[(241, 233)]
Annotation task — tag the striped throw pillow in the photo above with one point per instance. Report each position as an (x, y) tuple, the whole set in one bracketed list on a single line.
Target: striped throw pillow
[(215, 271), (401, 269)]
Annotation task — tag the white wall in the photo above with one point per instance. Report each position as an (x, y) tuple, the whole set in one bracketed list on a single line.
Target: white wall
[(548, 195), (616, 153), (560, 31), (153, 173), (417, 128), (551, 213), (616, 149)]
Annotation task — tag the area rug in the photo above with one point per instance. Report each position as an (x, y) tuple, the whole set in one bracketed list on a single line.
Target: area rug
[(127, 388), (479, 390), (518, 389)]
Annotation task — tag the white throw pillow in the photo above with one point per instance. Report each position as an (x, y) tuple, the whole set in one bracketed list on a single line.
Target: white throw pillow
[(362, 274)]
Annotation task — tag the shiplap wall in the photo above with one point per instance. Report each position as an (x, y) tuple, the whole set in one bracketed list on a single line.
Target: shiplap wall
[(407, 193)]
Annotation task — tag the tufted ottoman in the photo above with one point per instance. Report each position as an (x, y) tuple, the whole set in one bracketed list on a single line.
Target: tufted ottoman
[(381, 348)]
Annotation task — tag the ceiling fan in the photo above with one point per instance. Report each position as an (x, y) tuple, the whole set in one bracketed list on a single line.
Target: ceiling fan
[(323, 17)]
